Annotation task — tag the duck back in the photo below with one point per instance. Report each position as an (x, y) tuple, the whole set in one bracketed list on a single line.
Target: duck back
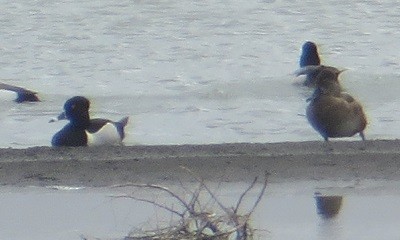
[(335, 117)]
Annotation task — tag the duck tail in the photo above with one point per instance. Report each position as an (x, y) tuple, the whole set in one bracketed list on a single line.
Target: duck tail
[(26, 96), (121, 125)]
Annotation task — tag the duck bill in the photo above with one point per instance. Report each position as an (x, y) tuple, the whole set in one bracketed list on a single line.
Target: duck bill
[(62, 116)]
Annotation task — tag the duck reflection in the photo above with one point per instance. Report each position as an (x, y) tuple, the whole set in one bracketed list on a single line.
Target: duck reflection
[(328, 206)]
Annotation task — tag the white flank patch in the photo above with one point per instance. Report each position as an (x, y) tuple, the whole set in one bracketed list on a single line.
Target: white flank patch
[(7, 95), (107, 135)]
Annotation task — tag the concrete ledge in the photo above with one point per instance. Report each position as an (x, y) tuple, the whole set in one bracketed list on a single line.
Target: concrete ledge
[(239, 162)]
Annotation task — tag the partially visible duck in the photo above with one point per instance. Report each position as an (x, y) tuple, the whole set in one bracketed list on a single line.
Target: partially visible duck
[(23, 95), (313, 71), (310, 62), (83, 131), (333, 113)]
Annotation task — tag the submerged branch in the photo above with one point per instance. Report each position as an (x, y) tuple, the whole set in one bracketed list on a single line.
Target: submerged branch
[(152, 202), (244, 193), (196, 222), (157, 187)]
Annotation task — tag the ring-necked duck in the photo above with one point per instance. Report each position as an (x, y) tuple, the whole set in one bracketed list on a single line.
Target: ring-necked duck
[(310, 62), (23, 95), (83, 131), (333, 113)]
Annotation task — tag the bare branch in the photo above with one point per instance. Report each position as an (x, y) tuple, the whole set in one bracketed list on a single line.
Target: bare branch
[(164, 189), (226, 210), (211, 201), (243, 194), (152, 202), (260, 195), (195, 198), (196, 221)]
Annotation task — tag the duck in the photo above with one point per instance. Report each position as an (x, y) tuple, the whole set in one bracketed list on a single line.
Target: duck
[(332, 112), (310, 64), (312, 71), (84, 131), (23, 95)]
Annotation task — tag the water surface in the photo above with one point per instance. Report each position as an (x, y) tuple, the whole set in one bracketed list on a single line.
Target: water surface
[(287, 211), (195, 71)]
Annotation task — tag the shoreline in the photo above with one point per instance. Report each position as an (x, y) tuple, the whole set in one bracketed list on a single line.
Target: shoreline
[(231, 162)]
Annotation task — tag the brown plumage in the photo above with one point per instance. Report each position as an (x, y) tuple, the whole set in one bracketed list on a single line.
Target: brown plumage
[(332, 112), (312, 73)]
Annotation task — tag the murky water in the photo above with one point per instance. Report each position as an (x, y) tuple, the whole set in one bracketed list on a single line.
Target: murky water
[(286, 212), (196, 71), (208, 71)]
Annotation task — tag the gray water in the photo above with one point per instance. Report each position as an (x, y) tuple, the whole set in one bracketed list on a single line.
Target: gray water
[(288, 211), (210, 71)]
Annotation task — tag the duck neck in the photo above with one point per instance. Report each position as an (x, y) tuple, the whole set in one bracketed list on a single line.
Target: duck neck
[(331, 88), (82, 121), (309, 59)]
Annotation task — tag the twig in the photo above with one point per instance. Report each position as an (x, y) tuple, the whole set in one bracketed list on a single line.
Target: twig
[(211, 201), (260, 195), (226, 210), (196, 222), (266, 174), (244, 193), (160, 188), (195, 199), (152, 202)]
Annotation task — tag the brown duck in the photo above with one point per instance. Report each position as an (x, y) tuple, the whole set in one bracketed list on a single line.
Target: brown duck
[(333, 113)]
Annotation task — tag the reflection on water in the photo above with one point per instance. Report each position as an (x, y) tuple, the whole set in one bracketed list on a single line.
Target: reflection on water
[(37, 213), (330, 228), (328, 206)]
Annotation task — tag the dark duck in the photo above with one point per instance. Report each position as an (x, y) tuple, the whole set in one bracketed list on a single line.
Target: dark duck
[(310, 64), (332, 112), (83, 131), (23, 95)]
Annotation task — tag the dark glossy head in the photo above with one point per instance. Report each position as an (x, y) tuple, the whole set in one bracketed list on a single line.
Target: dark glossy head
[(77, 110), (309, 55)]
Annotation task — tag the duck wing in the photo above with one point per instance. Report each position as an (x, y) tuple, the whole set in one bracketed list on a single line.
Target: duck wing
[(96, 124)]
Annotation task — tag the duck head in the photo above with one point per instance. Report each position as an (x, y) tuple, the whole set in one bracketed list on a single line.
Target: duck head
[(327, 82), (309, 55), (76, 110)]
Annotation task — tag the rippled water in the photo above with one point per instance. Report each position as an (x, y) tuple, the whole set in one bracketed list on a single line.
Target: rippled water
[(209, 71)]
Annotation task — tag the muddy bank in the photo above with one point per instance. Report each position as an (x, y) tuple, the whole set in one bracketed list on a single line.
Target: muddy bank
[(291, 161)]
